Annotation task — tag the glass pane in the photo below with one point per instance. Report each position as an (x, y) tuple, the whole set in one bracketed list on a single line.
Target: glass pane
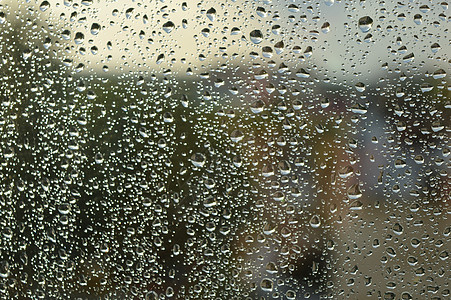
[(224, 149)]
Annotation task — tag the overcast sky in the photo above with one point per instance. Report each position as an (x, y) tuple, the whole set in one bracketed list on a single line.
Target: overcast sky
[(333, 51)]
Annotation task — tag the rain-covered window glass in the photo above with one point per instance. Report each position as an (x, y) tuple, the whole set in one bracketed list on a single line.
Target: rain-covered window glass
[(259, 149)]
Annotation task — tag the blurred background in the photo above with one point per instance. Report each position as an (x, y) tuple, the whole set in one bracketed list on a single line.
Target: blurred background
[(236, 150)]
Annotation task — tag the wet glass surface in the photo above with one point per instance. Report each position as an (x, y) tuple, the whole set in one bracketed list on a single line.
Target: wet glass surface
[(224, 149)]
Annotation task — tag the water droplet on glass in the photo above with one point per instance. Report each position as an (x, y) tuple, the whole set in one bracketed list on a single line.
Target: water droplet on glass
[(354, 191), (211, 14), (418, 19), (360, 87), (236, 135), (356, 205), (435, 47), (365, 23), (266, 285), (257, 106), (168, 26), (44, 6), (198, 159), (65, 34), (325, 28), (95, 28), (329, 2), (79, 38), (397, 228), (256, 36), (315, 221), (261, 11)]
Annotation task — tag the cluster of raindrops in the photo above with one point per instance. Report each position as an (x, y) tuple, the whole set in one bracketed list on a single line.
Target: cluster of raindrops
[(234, 149)]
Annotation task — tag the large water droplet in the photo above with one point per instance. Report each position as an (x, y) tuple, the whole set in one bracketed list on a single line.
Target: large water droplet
[(95, 28), (266, 285), (365, 23), (315, 221), (354, 191), (257, 106), (198, 159), (398, 229), (168, 26), (256, 36), (329, 2), (211, 14), (44, 6)]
